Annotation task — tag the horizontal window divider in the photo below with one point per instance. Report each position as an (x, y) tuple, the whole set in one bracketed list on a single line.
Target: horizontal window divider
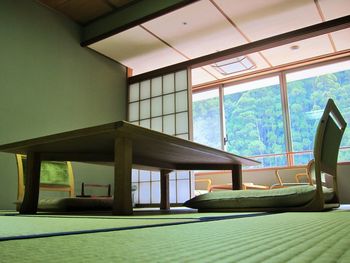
[(158, 116), (307, 63), (157, 96)]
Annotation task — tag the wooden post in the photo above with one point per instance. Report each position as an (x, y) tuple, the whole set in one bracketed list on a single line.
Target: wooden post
[(122, 204), (32, 184), (164, 189), (237, 177)]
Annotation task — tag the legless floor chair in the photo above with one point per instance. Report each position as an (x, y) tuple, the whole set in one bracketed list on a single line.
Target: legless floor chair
[(314, 197), (58, 176)]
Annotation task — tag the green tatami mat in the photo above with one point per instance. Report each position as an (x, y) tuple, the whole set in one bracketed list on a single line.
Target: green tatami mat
[(285, 237), (23, 226), (14, 226)]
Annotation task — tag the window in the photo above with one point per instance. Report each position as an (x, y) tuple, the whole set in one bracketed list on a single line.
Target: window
[(257, 123), (254, 122), (161, 104), (308, 92), (206, 118)]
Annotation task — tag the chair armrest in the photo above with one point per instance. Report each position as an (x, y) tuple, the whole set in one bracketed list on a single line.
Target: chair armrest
[(208, 181)]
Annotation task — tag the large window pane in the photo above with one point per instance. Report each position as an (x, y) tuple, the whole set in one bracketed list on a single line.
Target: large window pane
[(254, 120), (308, 92), (206, 118)]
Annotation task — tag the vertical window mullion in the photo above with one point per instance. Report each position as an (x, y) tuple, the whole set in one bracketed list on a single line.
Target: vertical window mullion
[(222, 117), (286, 118)]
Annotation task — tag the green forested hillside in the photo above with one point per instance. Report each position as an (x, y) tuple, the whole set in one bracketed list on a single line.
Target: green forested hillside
[(254, 119)]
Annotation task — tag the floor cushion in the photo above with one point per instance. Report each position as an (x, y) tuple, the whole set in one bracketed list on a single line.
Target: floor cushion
[(280, 197)]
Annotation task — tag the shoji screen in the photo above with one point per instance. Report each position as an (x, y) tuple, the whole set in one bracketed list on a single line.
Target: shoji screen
[(161, 104)]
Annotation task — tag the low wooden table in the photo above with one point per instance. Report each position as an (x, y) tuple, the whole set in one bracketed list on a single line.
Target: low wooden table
[(124, 145)]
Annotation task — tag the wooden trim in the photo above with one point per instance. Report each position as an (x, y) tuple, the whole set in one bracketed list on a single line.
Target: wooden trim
[(20, 174), (222, 118), (31, 196), (323, 59), (238, 29), (228, 172), (236, 174), (134, 23), (189, 105), (71, 179), (122, 204), (320, 12), (286, 118), (270, 42), (164, 189)]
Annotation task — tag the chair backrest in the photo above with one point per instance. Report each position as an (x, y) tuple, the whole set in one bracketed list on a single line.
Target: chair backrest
[(54, 176), (328, 137)]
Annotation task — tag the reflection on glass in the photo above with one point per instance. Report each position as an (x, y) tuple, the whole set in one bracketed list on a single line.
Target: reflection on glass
[(308, 92), (206, 118), (254, 121)]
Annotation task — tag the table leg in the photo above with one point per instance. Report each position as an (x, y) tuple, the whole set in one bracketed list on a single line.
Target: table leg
[(237, 177), (164, 189), (32, 184), (122, 177)]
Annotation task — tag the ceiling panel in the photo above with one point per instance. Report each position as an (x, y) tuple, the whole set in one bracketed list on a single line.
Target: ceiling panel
[(268, 18), (200, 29), (332, 9), (196, 30), (138, 49), (83, 11), (341, 39), (308, 48), (200, 75)]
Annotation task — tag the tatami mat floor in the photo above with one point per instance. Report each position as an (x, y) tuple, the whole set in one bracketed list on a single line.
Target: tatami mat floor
[(182, 237)]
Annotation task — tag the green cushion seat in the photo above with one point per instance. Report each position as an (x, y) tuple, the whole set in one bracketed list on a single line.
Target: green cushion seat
[(281, 197)]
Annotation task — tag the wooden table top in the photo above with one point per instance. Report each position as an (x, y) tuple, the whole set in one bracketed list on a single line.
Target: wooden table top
[(150, 148)]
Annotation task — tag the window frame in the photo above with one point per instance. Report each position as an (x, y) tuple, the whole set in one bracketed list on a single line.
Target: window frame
[(281, 74)]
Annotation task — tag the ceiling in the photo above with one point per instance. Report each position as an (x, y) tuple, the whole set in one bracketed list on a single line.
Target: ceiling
[(82, 11), (209, 26)]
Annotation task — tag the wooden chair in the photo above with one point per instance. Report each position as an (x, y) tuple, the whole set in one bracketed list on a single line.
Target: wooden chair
[(323, 168), (208, 183), (54, 176), (306, 173), (245, 186)]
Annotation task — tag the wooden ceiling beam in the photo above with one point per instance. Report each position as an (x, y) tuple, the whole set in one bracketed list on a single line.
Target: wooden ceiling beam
[(136, 13), (267, 43)]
